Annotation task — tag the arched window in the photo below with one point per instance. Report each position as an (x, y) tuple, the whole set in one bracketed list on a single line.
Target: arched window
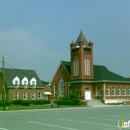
[(124, 91), (118, 91), (61, 87), (87, 67), (107, 91), (55, 89), (113, 91), (97, 91), (76, 67)]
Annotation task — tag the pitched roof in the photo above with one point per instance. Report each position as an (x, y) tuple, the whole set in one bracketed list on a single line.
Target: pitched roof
[(81, 37), (66, 64), (10, 74), (100, 73)]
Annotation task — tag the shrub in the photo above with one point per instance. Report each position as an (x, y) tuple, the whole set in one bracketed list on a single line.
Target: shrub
[(66, 98), (17, 102), (77, 102), (45, 101), (59, 102), (1, 103), (25, 103), (73, 96), (7, 103), (39, 102), (67, 102)]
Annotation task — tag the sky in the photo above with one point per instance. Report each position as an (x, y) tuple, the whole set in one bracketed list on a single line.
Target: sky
[(38, 33)]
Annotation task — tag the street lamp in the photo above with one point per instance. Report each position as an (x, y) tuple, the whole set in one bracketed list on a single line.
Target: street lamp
[(4, 86)]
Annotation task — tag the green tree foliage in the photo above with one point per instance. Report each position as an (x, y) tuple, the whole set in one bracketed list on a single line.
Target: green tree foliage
[(44, 82)]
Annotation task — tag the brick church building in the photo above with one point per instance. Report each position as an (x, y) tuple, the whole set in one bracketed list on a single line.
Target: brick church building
[(88, 81)]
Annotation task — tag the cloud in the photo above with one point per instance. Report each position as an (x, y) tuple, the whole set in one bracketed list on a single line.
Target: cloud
[(19, 41)]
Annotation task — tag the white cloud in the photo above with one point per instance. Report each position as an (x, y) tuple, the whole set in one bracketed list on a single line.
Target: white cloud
[(19, 41)]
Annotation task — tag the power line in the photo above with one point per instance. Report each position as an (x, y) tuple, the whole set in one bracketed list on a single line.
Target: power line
[(20, 70)]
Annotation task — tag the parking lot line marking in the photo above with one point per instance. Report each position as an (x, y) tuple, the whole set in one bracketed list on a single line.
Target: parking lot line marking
[(102, 119), (52, 125), (39, 112), (119, 116), (111, 129), (89, 123), (15, 113), (3, 129)]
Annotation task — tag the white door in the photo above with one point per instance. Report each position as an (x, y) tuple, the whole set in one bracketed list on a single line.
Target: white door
[(46, 97), (88, 95)]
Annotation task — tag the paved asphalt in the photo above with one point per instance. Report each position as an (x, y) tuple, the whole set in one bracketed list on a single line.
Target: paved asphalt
[(86, 118)]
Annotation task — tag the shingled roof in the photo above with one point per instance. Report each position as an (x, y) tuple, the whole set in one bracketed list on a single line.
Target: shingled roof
[(67, 65), (81, 37), (100, 73), (10, 74)]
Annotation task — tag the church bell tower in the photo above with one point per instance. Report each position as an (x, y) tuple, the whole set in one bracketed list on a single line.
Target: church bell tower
[(81, 58)]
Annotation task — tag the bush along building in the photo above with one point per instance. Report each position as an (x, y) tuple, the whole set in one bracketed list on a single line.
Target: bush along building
[(88, 81), (23, 84)]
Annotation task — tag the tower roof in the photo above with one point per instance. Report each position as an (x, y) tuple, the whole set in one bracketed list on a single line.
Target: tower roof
[(81, 37)]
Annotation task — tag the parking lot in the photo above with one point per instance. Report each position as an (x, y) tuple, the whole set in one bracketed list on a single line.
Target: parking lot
[(85, 118)]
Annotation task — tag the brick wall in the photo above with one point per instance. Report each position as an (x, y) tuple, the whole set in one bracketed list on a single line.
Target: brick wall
[(61, 73), (24, 90)]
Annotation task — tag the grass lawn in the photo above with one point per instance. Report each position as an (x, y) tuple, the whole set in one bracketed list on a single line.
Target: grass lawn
[(48, 106)]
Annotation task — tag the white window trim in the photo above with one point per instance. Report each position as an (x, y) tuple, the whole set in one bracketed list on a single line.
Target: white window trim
[(25, 96), (129, 91), (23, 81), (55, 88), (33, 82), (107, 89), (124, 90), (62, 95), (113, 88), (17, 95), (119, 91), (14, 81), (33, 95), (39, 95), (87, 67), (76, 67)]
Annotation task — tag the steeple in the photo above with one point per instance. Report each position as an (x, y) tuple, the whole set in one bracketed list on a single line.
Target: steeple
[(81, 58), (81, 37)]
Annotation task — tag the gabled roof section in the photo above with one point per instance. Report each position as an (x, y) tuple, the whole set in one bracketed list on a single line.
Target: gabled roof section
[(102, 73), (67, 66), (81, 37), (21, 73)]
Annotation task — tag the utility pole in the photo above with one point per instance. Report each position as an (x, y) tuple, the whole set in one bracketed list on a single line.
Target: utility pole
[(4, 87)]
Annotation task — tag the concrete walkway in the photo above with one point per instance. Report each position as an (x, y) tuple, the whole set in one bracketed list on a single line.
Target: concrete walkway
[(94, 102)]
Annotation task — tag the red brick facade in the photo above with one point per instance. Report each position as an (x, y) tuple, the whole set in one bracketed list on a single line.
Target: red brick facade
[(82, 81), (27, 91), (61, 73)]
